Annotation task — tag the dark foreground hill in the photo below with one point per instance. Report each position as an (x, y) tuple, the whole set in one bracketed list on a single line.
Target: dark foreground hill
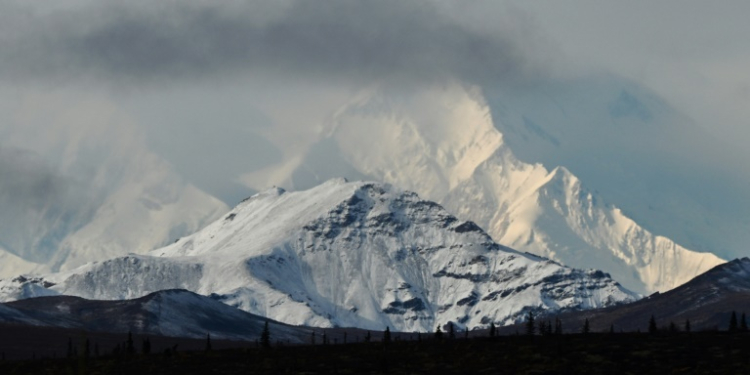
[(707, 301), (175, 313), (42, 327), (697, 353)]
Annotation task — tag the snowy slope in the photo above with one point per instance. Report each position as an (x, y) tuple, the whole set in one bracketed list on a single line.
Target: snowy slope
[(443, 143), (351, 254), (670, 175), (12, 264)]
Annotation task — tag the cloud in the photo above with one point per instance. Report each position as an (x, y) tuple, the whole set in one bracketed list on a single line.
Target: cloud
[(38, 204), (24, 178), (334, 40)]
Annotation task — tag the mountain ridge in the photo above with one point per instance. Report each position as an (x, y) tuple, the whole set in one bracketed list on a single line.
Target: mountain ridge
[(357, 254), (444, 143)]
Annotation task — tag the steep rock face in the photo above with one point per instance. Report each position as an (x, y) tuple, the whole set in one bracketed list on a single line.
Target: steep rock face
[(352, 254), (443, 143)]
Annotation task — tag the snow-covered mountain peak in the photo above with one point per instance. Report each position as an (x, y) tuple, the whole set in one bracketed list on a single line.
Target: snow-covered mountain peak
[(352, 254), (445, 144)]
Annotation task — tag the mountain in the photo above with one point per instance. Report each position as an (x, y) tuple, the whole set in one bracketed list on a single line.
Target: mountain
[(667, 173), (88, 190), (445, 144), (350, 254), (174, 313), (707, 301)]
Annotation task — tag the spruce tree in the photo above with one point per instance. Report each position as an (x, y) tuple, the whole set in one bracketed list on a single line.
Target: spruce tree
[(451, 331), (612, 329), (265, 337), (387, 335), (549, 328), (312, 338), (542, 327), (146, 346), (652, 329), (672, 327), (743, 323), (733, 322), (493, 329), (129, 347), (438, 333), (558, 326), (687, 325), (368, 337), (208, 342), (530, 326), (586, 329)]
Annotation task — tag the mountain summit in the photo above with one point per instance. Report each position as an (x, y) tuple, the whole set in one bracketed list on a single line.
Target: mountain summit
[(351, 254), (445, 144)]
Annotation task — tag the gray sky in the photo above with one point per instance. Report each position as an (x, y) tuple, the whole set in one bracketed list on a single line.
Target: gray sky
[(212, 82), (694, 53)]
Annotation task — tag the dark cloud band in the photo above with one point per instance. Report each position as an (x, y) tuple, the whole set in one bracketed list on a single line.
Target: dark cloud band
[(327, 40)]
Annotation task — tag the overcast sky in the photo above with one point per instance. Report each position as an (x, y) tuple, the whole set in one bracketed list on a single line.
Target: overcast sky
[(694, 53), (223, 75)]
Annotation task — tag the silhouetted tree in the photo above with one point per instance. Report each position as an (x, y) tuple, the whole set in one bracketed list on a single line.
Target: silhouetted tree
[(466, 332), (558, 326), (743, 323), (687, 325), (652, 328), (612, 329), (368, 337), (312, 338), (129, 347), (733, 322), (673, 327), (585, 329), (70, 347), (265, 337), (493, 329), (146, 346), (530, 326), (549, 328), (344, 337), (325, 338), (208, 342), (387, 335), (542, 327), (451, 331), (438, 333)]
